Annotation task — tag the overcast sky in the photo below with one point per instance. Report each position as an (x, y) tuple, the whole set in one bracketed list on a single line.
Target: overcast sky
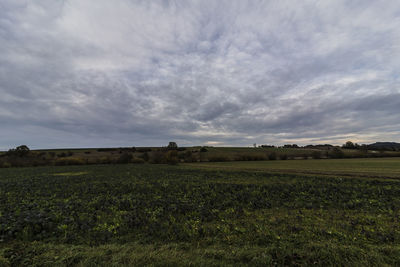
[(78, 73)]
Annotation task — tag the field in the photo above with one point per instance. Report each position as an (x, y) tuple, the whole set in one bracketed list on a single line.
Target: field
[(293, 212), (23, 157), (370, 167)]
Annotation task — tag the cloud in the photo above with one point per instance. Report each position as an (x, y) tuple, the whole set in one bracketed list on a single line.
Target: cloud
[(144, 73)]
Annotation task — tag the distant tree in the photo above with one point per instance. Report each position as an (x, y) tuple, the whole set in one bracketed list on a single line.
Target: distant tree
[(363, 148), (203, 149), (19, 151), (22, 148), (349, 145), (325, 146), (291, 146), (172, 146)]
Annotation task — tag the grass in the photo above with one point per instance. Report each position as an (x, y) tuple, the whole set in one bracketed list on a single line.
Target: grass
[(69, 173), (86, 156), (134, 254), (366, 167), (231, 152), (203, 214), (258, 149)]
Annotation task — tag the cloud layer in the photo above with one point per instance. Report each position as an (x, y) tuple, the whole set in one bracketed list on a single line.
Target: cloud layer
[(75, 73)]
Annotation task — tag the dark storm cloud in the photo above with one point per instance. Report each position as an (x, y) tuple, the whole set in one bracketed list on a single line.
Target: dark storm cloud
[(114, 73)]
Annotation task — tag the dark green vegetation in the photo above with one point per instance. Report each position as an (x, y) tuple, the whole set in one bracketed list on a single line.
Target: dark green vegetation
[(369, 167), (191, 214), (172, 154)]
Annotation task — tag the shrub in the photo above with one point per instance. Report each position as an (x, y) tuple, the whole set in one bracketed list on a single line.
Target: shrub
[(137, 160), (172, 157), (336, 153), (283, 156), (126, 149), (357, 154), (383, 154), (249, 157), (105, 160), (143, 150), (125, 158), (40, 162), (5, 165), (216, 158), (69, 161), (272, 156), (188, 156), (106, 149), (145, 156), (157, 157), (316, 154)]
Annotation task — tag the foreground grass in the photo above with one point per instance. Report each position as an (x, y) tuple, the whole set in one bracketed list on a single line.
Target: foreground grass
[(161, 215), (185, 254)]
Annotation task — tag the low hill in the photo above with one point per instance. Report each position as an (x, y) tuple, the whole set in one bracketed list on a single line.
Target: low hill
[(385, 146)]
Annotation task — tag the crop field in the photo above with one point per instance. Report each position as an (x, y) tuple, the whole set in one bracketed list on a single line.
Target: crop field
[(370, 167), (300, 212)]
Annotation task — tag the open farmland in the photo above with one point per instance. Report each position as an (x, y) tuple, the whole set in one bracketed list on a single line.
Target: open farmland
[(22, 156), (236, 213), (369, 167)]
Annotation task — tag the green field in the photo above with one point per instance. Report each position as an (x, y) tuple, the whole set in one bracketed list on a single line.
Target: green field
[(23, 157), (370, 167), (299, 212)]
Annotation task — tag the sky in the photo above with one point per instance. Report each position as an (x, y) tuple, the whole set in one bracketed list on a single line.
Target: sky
[(79, 73)]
